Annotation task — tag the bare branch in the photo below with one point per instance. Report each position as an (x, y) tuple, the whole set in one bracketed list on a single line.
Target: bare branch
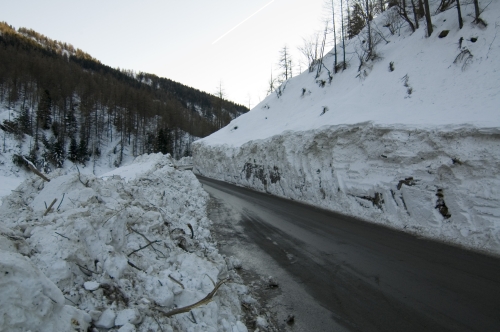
[(176, 281), (50, 206), (147, 245), (203, 301)]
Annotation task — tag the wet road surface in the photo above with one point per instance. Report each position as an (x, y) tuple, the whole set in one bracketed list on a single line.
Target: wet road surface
[(339, 273)]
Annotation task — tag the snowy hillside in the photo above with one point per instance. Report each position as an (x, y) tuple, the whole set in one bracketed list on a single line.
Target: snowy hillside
[(115, 252), (410, 140)]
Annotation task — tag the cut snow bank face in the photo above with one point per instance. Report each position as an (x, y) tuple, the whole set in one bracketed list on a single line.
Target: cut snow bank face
[(416, 148), (114, 252), (440, 184)]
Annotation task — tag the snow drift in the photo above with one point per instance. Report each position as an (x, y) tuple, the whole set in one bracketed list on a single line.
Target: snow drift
[(416, 148), (114, 253)]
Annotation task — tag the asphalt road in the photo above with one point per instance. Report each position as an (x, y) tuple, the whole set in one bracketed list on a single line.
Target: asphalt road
[(358, 276)]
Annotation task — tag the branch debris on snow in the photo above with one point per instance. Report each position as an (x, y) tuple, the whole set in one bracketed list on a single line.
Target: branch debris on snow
[(109, 255)]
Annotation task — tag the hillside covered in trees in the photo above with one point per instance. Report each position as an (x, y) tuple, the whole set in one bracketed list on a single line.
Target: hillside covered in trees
[(69, 104)]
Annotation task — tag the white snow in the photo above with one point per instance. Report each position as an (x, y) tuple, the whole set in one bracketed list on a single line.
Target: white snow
[(8, 184), (369, 148), (108, 252), (91, 285)]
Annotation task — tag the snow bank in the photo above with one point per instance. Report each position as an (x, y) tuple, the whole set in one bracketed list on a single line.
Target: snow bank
[(113, 254), (425, 160), (441, 184)]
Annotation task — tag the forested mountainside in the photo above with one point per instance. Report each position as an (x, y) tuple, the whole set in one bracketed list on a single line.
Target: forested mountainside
[(69, 104)]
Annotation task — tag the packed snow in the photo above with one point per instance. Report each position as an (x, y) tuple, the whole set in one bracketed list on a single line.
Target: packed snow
[(416, 148), (116, 251)]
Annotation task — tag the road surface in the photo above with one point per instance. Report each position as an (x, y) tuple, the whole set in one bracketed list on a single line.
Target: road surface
[(339, 273)]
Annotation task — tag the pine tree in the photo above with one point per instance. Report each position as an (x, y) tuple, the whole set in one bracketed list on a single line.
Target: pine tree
[(83, 152), (73, 150), (44, 112), (356, 22), (163, 141), (58, 153), (24, 121), (71, 123)]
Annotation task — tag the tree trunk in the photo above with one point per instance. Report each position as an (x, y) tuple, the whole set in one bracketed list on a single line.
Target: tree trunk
[(334, 39), (343, 33), (404, 14), (428, 18), (459, 11), (476, 10), (368, 23), (415, 13)]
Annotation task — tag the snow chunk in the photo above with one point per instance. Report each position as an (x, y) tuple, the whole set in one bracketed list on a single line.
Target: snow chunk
[(91, 285), (127, 328), (131, 316), (107, 319)]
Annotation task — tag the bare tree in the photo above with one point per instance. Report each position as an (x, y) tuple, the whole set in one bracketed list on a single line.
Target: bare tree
[(271, 83), (285, 63), (322, 52), (367, 12), (403, 12), (343, 33), (334, 37), (309, 49), (221, 94)]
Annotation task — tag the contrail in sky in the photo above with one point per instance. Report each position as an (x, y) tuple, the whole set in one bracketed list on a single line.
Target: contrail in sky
[(224, 35)]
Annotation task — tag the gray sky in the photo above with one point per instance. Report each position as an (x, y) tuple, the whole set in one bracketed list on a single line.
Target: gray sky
[(175, 39)]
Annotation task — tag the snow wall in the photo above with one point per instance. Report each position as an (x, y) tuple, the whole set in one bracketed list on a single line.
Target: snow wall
[(442, 183)]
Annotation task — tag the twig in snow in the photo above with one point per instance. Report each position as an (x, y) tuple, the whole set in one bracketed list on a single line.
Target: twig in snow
[(157, 322), (34, 170), (194, 319), (63, 236), (114, 215), (85, 184), (134, 266), (147, 245), (176, 281), (203, 301), (191, 229), (150, 242), (50, 206), (60, 202), (70, 300), (86, 269)]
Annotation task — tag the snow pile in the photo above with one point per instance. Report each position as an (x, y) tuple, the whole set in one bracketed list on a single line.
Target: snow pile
[(425, 160), (113, 254)]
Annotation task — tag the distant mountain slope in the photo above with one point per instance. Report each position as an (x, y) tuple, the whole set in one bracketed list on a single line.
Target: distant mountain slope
[(63, 93), (408, 137)]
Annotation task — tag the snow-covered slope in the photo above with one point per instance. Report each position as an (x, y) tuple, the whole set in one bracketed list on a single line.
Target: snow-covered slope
[(114, 252), (416, 148)]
